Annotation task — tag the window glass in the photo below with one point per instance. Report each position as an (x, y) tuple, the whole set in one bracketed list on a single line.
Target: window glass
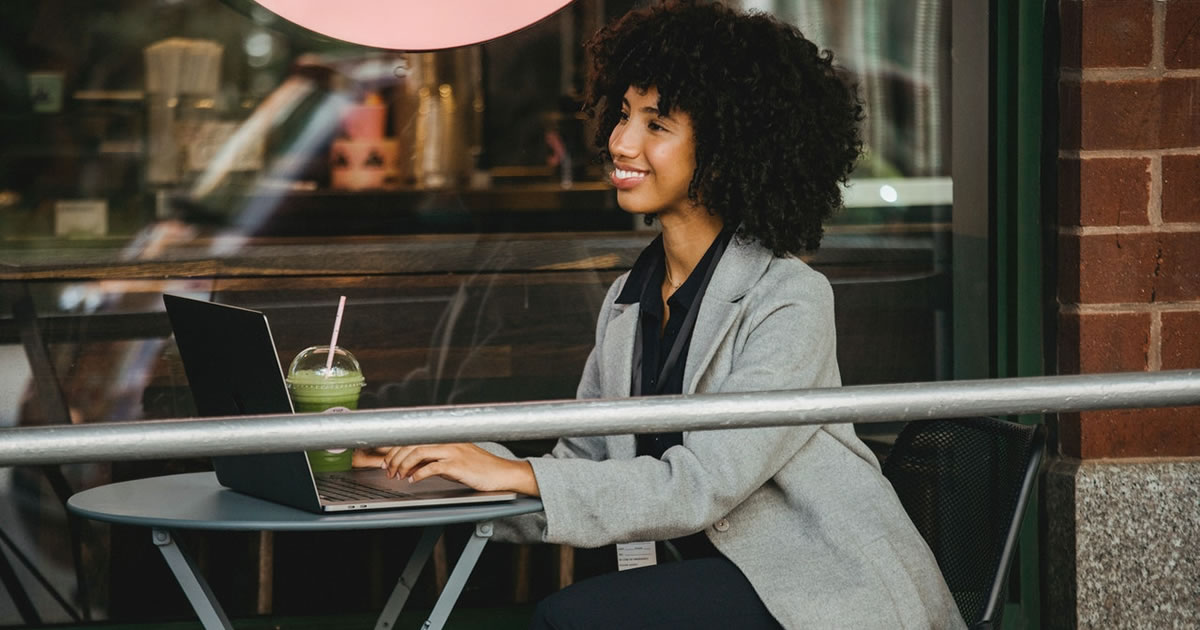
[(210, 149)]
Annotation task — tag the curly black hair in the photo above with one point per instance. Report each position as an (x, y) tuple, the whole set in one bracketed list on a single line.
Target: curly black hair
[(776, 126)]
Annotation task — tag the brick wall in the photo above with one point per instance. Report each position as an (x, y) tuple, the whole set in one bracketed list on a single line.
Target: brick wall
[(1129, 213)]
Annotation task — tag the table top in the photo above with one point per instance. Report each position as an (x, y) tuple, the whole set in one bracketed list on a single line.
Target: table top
[(198, 501)]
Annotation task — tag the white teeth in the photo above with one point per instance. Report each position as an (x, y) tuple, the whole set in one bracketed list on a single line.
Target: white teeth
[(624, 174)]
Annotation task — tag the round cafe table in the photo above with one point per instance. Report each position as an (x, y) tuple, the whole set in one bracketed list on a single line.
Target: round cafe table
[(196, 501)]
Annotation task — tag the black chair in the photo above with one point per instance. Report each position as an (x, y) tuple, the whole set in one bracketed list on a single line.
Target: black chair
[(965, 483)]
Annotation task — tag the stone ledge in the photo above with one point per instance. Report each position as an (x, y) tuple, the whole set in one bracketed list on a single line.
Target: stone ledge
[(1120, 545)]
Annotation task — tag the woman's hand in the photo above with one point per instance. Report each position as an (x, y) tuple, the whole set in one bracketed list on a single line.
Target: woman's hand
[(369, 457), (465, 463)]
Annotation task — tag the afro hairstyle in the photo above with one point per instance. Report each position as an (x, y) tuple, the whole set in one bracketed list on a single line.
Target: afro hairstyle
[(776, 125)]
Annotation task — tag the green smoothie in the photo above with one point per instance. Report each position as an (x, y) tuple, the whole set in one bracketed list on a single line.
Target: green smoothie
[(314, 388)]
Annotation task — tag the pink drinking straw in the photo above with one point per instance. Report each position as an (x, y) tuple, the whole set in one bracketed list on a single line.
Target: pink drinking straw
[(337, 325)]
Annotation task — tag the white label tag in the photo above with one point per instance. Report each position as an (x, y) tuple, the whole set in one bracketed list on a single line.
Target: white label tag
[(634, 555)]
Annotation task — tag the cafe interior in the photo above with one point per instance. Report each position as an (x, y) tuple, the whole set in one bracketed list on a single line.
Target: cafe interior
[(453, 194)]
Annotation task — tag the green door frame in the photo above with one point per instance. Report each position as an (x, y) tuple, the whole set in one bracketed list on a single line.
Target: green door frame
[(999, 264), (1020, 144)]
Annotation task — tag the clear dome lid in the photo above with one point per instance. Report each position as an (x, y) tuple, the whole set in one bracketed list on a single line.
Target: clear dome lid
[(310, 367)]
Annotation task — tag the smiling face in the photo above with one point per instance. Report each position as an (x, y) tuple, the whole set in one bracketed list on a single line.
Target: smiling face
[(654, 155)]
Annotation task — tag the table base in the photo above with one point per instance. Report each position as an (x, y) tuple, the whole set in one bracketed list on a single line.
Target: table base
[(212, 616)]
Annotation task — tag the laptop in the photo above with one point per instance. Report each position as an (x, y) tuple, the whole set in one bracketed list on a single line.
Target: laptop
[(208, 334)]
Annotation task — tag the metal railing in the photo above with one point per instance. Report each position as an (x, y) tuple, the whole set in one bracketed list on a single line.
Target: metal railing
[(156, 439)]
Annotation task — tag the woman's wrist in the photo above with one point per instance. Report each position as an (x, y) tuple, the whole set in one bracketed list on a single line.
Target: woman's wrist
[(522, 478)]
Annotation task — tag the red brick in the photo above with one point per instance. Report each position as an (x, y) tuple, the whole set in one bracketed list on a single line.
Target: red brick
[(1180, 340), (1181, 39), (1070, 41), (1129, 268), (1068, 192), (1068, 269), (1120, 114), (1103, 342), (1104, 191), (1181, 188), (1162, 432), (1178, 275), (1180, 126), (1109, 33), (1134, 114), (1070, 114), (1109, 268), (1068, 434), (1106, 33)]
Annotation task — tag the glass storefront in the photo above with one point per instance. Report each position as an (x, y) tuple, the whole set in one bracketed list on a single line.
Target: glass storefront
[(210, 149)]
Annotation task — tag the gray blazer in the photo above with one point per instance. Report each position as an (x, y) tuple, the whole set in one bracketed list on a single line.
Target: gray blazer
[(804, 512)]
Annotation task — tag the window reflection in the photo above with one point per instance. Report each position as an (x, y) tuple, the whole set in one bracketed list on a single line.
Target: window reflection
[(206, 148)]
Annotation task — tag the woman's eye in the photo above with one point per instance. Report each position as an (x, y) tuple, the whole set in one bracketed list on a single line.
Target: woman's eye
[(623, 117), (654, 126)]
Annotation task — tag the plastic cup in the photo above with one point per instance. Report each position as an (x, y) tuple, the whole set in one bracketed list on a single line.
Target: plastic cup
[(313, 388)]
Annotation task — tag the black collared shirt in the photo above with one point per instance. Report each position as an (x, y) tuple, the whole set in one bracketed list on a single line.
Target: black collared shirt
[(644, 287)]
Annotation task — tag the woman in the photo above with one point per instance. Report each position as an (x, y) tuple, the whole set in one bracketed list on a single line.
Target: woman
[(734, 132)]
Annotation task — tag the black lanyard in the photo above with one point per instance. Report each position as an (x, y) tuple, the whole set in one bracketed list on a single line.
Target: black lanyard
[(685, 332)]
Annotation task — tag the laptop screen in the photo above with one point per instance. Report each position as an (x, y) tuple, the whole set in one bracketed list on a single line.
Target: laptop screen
[(232, 368), (229, 358)]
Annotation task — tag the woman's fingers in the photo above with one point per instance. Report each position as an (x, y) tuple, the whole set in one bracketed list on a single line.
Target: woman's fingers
[(391, 461), (465, 463), (431, 469), (453, 461), (367, 458), (401, 461), (422, 457)]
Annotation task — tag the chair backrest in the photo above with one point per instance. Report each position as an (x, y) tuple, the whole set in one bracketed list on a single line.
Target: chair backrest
[(965, 483)]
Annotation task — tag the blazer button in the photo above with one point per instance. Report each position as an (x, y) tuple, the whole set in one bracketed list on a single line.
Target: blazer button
[(721, 525)]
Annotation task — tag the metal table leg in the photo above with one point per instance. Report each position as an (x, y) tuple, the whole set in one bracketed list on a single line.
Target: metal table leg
[(458, 577), (194, 586), (420, 555), (212, 617)]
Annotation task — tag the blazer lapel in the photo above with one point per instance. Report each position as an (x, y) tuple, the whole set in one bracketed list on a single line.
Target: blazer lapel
[(712, 323), (738, 270), (619, 337)]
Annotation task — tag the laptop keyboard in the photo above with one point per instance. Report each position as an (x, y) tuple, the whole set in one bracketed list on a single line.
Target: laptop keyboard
[(343, 489)]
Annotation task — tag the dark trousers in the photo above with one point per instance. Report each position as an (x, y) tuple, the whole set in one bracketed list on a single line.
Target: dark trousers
[(693, 594)]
